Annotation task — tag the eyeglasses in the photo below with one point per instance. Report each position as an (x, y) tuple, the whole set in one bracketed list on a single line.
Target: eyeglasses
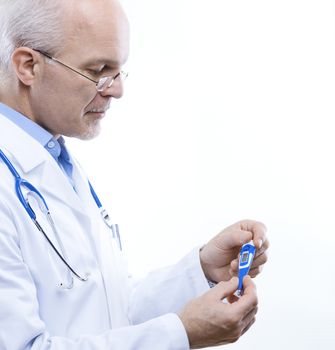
[(102, 84)]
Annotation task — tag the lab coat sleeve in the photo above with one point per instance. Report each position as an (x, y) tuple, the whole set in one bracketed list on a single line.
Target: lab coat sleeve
[(21, 327), (167, 290)]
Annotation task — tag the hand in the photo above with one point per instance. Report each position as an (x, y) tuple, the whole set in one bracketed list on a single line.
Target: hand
[(209, 322), (219, 257)]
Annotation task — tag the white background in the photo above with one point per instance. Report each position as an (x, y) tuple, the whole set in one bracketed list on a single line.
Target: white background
[(228, 114)]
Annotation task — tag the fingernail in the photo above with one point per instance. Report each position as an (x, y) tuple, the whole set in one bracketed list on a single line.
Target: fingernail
[(260, 242)]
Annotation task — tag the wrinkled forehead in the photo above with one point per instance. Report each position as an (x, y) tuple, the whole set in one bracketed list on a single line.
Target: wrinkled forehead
[(95, 28)]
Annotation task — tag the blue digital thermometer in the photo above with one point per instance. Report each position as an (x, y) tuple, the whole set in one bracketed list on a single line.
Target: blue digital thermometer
[(247, 254)]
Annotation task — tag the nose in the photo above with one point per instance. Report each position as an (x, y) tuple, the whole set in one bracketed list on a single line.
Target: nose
[(115, 90)]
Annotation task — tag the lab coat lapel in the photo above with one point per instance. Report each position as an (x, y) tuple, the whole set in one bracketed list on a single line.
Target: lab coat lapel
[(55, 183), (87, 204)]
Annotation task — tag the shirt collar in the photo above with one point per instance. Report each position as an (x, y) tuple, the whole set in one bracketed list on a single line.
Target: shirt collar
[(47, 140)]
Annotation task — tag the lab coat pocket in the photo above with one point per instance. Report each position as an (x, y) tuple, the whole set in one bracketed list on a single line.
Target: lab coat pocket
[(115, 272)]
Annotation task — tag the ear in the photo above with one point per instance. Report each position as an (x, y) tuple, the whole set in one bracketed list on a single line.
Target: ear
[(25, 62)]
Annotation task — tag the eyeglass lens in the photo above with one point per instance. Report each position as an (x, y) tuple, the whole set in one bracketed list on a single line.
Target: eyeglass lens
[(106, 82)]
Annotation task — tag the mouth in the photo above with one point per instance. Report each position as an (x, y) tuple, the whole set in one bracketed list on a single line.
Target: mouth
[(98, 112)]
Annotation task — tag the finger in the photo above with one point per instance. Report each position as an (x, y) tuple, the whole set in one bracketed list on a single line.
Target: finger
[(235, 238), (257, 229), (248, 320), (263, 249), (256, 271), (234, 265), (224, 289), (260, 260), (248, 326), (248, 301), (250, 315)]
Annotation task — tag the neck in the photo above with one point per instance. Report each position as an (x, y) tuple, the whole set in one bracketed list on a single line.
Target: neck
[(17, 98)]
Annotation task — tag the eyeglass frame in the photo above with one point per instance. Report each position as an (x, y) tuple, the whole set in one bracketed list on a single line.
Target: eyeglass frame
[(101, 82)]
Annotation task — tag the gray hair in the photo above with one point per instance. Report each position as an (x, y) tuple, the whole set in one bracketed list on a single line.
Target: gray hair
[(37, 24)]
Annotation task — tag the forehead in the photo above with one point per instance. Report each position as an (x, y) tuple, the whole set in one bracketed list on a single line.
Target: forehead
[(97, 30)]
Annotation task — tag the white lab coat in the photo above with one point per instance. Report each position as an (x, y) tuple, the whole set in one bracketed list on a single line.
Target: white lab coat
[(101, 313)]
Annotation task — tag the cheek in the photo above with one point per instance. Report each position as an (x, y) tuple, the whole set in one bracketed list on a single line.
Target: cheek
[(66, 90), (57, 107), (67, 99), (82, 96)]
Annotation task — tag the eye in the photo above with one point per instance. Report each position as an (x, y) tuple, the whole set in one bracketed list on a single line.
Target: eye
[(96, 71)]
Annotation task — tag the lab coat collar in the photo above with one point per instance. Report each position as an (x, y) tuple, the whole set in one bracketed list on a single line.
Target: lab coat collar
[(34, 161), (25, 149)]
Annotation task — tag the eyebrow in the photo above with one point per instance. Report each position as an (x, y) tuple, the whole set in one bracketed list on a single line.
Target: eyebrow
[(108, 61)]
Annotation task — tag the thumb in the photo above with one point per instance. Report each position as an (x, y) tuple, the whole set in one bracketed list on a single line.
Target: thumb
[(224, 289), (236, 238)]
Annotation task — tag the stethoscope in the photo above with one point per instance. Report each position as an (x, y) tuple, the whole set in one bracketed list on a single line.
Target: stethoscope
[(22, 183)]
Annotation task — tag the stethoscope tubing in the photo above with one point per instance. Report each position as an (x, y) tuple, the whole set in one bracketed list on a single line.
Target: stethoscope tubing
[(20, 182), (39, 227)]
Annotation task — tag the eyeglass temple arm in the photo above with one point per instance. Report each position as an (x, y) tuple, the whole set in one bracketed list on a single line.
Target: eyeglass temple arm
[(63, 64)]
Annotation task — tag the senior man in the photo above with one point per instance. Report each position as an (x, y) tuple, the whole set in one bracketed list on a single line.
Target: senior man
[(63, 284)]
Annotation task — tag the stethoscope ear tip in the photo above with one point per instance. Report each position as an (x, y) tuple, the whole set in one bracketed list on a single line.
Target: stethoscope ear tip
[(66, 286), (63, 285), (39, 199)]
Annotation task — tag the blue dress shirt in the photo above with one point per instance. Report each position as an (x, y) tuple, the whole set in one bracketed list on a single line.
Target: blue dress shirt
[(56, 147)]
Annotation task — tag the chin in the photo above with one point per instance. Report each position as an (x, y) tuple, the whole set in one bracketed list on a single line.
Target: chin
[(89, 133)]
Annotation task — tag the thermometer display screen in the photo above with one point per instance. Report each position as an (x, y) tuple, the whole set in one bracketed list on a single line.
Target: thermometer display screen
[(244, 257)]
